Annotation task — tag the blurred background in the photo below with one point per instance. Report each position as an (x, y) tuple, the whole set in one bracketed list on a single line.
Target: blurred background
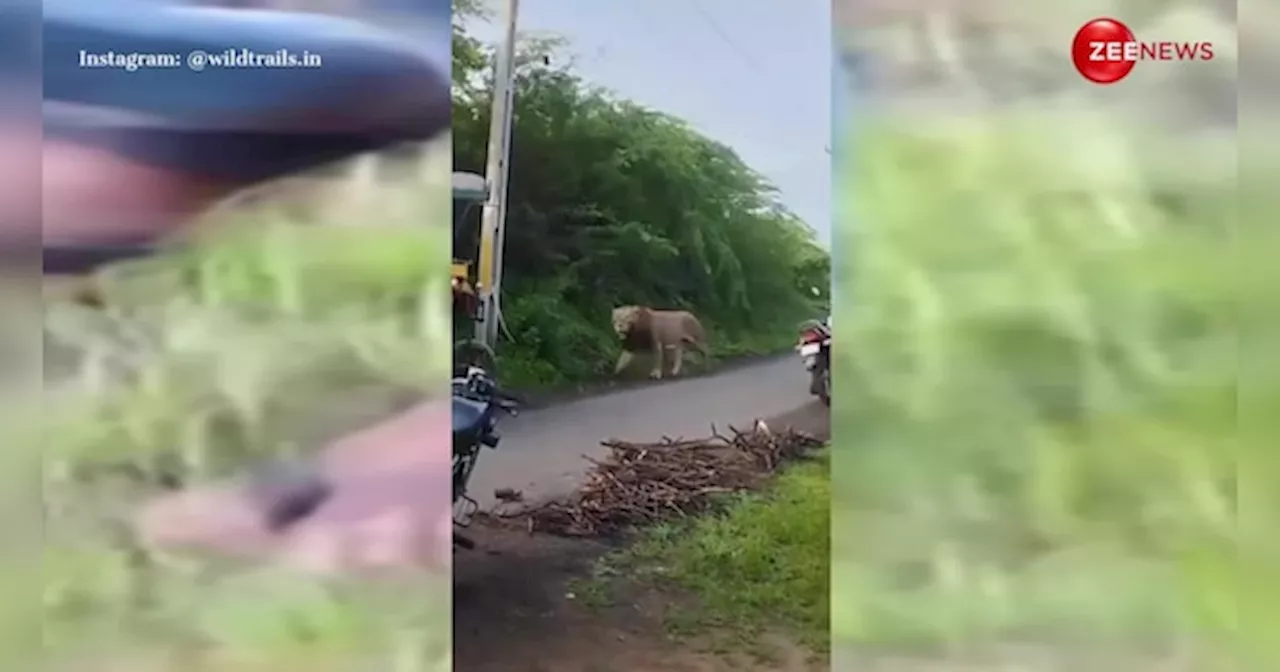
[(1035, 466), (294, 312)]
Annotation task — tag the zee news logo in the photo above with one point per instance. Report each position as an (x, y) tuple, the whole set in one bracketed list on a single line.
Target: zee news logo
[(1105, 51)]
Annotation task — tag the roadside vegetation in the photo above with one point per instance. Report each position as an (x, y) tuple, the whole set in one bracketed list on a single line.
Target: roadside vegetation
[(1035, 417), (614, 204), (279, 328), (760, 566)]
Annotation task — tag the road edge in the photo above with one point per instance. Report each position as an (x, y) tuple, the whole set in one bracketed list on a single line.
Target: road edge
[(539, 399)]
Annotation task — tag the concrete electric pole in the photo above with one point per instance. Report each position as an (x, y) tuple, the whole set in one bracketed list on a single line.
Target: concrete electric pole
[(497, 170)]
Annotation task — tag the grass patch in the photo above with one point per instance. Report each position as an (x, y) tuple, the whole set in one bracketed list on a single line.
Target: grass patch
[(762, 564)]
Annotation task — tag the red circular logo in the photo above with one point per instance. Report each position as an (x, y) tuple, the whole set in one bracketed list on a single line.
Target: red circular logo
[(1098, 51)]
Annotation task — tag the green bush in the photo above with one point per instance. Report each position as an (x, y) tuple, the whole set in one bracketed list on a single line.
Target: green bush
[(614, 204)]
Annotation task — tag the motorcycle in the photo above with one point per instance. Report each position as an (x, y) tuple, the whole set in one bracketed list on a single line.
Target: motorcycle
[(477, 401), (815, 350)]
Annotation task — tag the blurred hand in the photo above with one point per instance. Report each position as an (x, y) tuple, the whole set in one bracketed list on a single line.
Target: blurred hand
[(391, 500), (390, 504), (91, 195), (389, 508)]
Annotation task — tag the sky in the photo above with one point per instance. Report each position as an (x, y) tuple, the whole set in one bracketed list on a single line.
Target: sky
[(753, 74)]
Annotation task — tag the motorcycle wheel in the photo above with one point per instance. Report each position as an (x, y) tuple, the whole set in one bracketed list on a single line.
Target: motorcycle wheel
[(824, 391)]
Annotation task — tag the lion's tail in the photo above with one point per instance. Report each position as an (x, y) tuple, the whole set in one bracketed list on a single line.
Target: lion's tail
[(695, 335)]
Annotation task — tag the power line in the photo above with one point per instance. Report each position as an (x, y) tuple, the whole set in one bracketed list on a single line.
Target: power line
[(657, 29), (724, 36)]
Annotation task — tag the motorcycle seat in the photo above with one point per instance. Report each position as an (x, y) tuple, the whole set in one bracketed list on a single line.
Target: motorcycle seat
[(371, 89), (468, 415)]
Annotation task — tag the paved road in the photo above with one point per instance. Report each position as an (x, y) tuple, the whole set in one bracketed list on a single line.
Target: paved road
[(541, 450)]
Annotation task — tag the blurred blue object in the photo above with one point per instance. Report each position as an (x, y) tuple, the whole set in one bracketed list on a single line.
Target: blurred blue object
[(846, 73), (19, 57), (847, 90), (19, 37), (374, 89), (839, 99), (848, 70), (435, 10)]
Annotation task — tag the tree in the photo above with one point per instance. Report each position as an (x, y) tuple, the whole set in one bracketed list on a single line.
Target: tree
[(612, 203)]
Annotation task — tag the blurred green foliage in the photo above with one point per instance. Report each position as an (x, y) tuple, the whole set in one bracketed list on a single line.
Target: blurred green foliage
[(259, 339), (1035, 396)]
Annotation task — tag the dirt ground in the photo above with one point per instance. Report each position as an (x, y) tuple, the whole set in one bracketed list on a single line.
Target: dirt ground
[(515, 609)]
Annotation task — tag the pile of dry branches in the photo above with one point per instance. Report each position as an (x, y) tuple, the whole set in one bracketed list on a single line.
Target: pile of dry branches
[(644, 483)]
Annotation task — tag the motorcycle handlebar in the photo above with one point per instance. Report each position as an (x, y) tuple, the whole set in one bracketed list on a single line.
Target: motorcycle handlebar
[(486, 388)]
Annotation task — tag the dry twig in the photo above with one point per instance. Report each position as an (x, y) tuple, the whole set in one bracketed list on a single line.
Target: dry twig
[(645, 483)]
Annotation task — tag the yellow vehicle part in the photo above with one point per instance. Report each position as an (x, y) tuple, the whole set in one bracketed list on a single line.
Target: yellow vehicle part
[(461, 278), (485, 277)]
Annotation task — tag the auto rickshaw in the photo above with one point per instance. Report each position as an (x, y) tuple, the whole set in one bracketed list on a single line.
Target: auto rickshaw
[(469, 192)]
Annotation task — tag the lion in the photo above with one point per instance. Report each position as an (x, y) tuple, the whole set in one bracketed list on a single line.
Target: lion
[(642, 328)]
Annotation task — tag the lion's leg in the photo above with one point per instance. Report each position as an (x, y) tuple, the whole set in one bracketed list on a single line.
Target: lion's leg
[(679, 357), (656, 373), (624, 360)]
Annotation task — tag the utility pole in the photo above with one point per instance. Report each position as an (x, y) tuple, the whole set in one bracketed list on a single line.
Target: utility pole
[(497, 170)]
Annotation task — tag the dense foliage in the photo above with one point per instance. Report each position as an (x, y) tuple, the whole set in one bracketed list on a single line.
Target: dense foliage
[(611, 204)]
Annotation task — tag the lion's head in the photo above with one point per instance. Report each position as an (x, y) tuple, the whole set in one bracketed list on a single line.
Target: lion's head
[(626, 319)]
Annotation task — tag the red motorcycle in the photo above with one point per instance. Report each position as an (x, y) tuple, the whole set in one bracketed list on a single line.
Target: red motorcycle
[(815, 349)]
